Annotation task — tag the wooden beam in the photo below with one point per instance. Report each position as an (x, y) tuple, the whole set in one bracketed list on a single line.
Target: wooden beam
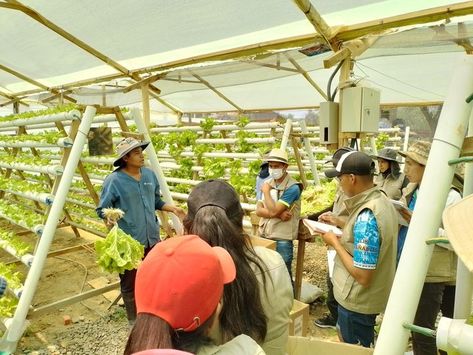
[(167, 104), (55, 96), (13, 99), (412, 18), (182, 80), (145, 103), (316, 20), (138, 85), (219, 94), (337, 57), (32, 81), (461, 39), (77, 298), (267, 65), (307, 76)]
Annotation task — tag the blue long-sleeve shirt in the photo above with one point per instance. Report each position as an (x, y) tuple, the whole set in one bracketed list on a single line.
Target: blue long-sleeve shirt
[(138, 199)]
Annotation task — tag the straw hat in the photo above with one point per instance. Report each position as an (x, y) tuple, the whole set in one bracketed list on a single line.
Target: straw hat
[(419, 152), (277, 155), (459, 227)]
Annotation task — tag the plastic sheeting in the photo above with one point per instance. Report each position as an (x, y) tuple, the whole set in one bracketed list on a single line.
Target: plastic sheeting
[(409, 66)]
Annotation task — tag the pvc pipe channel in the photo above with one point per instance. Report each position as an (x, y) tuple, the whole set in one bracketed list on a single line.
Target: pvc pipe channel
[(455, 336)]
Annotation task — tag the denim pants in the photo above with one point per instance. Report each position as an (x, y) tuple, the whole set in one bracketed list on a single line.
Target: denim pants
[(356, 328), (285, 249)]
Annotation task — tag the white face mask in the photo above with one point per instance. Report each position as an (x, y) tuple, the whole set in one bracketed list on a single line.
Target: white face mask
[(276, 173)]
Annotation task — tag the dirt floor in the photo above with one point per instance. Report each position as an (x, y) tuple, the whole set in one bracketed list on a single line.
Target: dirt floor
[(95, 327)]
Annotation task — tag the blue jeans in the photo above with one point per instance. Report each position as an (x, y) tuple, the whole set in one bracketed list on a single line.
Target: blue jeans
[(285, 249), (356, 328)]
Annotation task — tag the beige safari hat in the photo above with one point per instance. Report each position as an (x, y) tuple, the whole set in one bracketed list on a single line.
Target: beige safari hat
[(126, 146), (459, 227), (277, 155), (419, 152)]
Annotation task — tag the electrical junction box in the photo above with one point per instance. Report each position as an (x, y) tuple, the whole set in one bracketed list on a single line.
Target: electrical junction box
[(328, 122), (360, 110)]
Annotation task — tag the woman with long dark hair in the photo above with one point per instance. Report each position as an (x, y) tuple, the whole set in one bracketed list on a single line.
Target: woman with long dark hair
[(258, 302), (178, 289), (390, 178)]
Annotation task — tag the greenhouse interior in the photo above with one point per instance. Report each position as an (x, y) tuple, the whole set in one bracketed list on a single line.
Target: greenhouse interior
[(107, 108)]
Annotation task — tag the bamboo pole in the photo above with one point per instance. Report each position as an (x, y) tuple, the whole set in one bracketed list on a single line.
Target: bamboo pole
[(219, 94), (35, 82), (316, 20), (145, 103), (307, 76), (272, 66)]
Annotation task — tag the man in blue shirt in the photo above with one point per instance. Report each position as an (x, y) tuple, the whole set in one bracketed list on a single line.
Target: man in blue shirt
[(135, 190), (365, 262)]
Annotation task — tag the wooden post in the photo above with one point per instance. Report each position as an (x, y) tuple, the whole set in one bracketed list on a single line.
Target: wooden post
[(297, 155), (146, 109), (299, 269)]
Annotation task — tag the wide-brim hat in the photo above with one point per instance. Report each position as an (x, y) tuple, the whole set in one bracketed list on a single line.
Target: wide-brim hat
[(277, 155), (459, 227), (387, 154), (419, 152), (126, 146)]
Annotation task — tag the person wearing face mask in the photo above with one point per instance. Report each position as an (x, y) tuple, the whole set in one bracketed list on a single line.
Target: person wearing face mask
[(280, 206)]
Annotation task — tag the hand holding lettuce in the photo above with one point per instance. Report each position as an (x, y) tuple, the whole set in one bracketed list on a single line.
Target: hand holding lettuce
[(118, 251)]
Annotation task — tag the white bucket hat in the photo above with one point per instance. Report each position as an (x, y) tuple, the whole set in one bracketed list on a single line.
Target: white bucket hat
[(126, 146), (459, 227)]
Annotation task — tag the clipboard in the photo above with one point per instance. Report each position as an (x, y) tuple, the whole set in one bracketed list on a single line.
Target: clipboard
[(401, 207)]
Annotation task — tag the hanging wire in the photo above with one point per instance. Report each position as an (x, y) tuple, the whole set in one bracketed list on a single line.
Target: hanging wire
[(358, 64)]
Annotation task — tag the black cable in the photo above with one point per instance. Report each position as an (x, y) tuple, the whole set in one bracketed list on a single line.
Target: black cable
[(329, 84)]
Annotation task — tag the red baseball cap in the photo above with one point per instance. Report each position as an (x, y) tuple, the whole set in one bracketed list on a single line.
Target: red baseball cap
[(181, 281)]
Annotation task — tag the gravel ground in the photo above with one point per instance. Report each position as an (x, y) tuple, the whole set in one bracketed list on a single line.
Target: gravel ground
[(105, 336)]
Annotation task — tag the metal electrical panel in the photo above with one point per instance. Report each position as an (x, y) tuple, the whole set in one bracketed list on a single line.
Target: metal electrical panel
[(328, 121), (360, 110)]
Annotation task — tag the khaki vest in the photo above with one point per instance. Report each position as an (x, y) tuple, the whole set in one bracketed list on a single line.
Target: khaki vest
[(275, 228), (339, 208), (443, 264), (391, 186), (348, 292)]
